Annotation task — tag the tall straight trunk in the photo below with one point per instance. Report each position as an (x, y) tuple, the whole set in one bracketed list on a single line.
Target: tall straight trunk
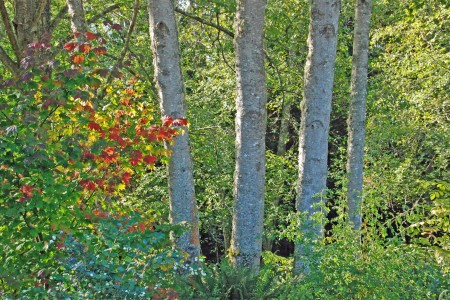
[(77, 19), (357, 118), (164, 36), (315, 121), (30, 21), (249, 178)]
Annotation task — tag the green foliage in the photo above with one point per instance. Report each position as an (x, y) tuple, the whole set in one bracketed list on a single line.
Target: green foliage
[(224, 281), (62, 160), (375, 271), (126, 257)]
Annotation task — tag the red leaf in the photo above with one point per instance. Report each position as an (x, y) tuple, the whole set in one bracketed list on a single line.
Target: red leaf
[(90, 36), (70, 46), (88, 185), (99, 50), (34, 45), (180, 122), (149, 159), (94, 126), (87, 155), (26, 190), (116, 26), (141, 226), (167, 121), (136, 157), (84, 48), (126, 177), (109, 154)]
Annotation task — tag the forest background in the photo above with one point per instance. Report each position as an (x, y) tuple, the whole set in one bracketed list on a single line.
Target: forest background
[(84, 202)]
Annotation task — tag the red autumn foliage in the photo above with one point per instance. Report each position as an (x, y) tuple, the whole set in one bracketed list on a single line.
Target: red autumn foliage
[(90, 35), (94, 126), (99, 50), (84, 48), (126, 177), (135, 157), (167, 121), (149, 159), (70, 46), (180, 122)]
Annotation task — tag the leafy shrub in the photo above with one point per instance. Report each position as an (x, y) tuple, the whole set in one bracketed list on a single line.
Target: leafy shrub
[(126, 257)]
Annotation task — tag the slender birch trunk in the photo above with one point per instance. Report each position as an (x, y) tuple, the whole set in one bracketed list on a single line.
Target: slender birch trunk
[(164, 36), (357, 118), (315, 122), (77, 19), (249, 178)]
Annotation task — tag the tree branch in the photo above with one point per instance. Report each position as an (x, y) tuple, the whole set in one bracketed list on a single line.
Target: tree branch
[(103, 13), (9, 31), (124, 50), (203, 21), (129, 33), (37, 16), (8, 62)]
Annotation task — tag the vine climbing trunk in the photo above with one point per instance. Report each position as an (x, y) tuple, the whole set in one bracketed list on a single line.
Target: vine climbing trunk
[(357, 117), (315, 123), (166, 61), (251, 116)]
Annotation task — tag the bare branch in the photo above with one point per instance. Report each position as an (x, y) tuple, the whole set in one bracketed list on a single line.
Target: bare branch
[(9, 31), (124, 50), (203, 21), (129, 33)]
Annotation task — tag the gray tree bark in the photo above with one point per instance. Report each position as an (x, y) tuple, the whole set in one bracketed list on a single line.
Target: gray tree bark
[(77, 19), (357, 117), (249, 178), (315, 121), (30, 21), (166, 61)]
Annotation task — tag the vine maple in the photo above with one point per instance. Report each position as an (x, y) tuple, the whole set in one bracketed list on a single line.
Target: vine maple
[(66, 156)]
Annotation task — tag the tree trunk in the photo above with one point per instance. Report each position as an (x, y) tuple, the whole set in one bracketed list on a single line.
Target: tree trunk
[(164, 36), (77, 20), (357, 118), (251, 116), (30, 21), (315, 122)]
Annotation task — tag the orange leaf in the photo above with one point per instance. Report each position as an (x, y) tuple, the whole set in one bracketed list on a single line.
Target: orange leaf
[(84, 48), (78, 59)]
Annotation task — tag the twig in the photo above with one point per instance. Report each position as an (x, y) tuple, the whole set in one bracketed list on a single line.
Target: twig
[(203, 21), (103, 13)]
